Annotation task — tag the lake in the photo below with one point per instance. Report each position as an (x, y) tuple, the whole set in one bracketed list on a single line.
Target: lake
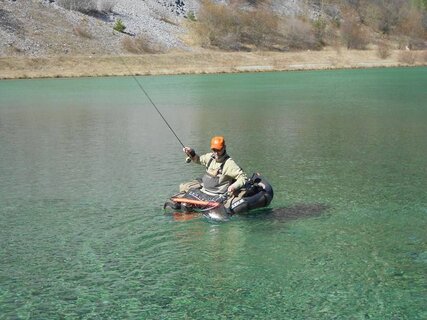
[(86, 165)]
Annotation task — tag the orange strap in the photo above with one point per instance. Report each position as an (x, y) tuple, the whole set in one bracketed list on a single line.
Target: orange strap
[(198, 202)]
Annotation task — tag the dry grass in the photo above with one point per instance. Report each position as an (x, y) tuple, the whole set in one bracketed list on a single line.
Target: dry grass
[(169, 20), (204, 61), (142, 44), (407, 57), (82, 30), (14, 50)]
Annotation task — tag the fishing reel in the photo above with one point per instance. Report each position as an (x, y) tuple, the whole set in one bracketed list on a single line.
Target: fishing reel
[(191, 153)]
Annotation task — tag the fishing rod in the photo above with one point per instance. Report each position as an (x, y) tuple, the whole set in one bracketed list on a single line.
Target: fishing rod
[(188, 159)]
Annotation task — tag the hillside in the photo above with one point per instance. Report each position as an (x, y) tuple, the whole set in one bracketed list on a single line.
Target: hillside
[(43, 38), (40, 28)]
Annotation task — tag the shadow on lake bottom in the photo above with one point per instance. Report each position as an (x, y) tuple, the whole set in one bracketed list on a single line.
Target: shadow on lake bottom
[(296, 211)]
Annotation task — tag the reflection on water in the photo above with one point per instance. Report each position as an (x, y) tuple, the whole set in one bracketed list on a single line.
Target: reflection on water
[(86, 165)]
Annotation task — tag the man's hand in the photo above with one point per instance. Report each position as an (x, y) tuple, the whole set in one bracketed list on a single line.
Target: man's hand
[(189, 151), (231, 189)]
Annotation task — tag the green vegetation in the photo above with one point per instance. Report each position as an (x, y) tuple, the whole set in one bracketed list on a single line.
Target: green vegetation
[(119, 26), (191, 16)]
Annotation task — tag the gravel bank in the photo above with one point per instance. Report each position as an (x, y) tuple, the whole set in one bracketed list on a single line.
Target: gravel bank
[(41, 27)]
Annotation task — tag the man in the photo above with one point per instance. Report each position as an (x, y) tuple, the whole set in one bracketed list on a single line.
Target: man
[(222, 173)]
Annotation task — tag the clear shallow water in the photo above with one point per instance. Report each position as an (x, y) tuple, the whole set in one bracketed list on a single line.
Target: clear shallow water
[(86, 164)]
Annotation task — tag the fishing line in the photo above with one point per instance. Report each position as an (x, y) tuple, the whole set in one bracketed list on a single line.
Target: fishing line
[(149, 99)]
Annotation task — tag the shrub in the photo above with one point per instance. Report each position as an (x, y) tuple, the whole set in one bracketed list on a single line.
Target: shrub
[(383, 49), (119, 26), (219, 25), (260, 28), (353, 35), (241, 27), (82, 30), (142, 44), (390, 17), (417, 44), (234, 28), (130, 46), (320, 26), (407, 57), (412, 26), (299, 35), (191, 16)]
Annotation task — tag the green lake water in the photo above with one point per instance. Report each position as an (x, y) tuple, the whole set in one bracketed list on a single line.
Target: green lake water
[(86, 165)]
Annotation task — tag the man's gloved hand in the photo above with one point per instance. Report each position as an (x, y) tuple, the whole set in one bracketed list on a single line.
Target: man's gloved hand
[(189, 151)]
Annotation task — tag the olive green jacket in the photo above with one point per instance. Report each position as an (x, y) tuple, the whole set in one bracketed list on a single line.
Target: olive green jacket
[(232, 174)]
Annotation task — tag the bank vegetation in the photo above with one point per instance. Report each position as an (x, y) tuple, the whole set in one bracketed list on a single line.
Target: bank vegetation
[(246, 25)]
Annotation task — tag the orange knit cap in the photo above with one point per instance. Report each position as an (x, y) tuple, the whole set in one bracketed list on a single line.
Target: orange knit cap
[(217, 143)]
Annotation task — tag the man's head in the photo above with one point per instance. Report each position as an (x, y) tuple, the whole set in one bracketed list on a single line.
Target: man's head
[(218, 146)]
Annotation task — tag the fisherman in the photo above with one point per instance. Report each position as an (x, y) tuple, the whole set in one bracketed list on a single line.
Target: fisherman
[(222, 174)]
